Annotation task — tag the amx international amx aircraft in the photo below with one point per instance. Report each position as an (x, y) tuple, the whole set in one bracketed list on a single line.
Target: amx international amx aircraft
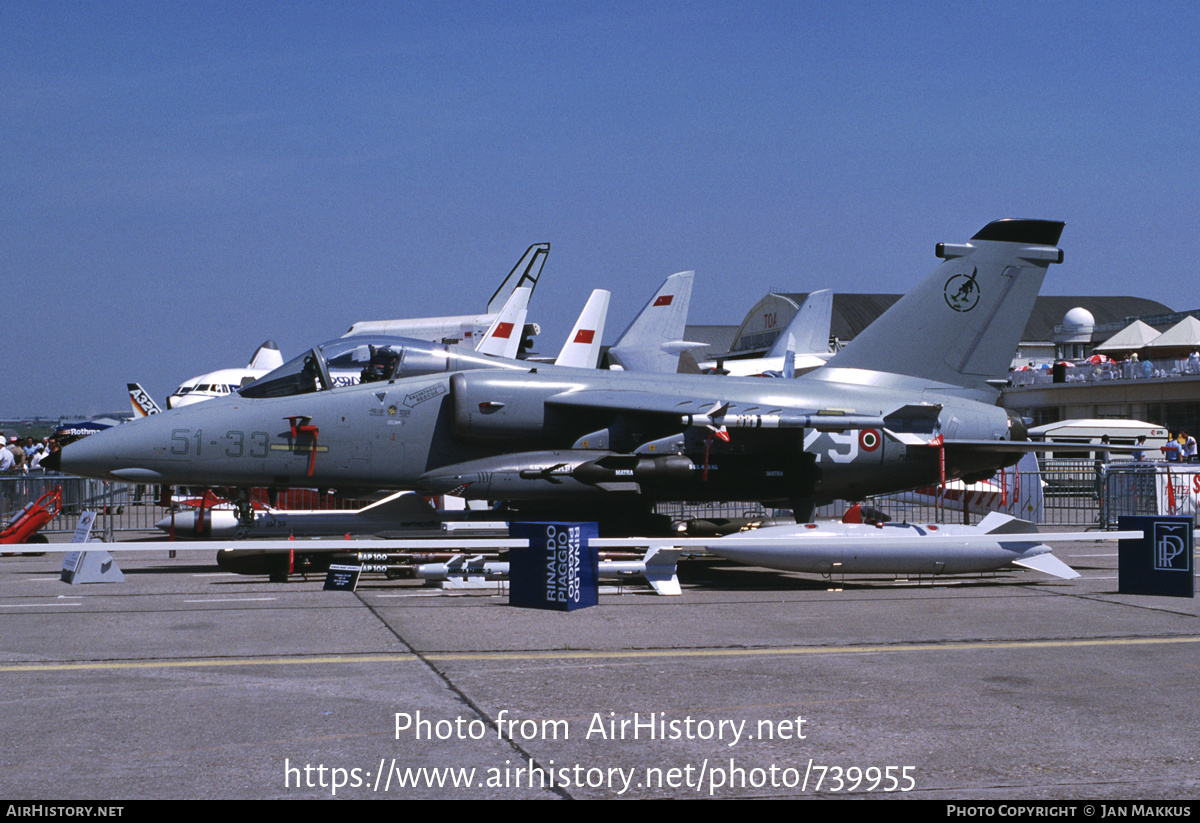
[(915, 386)]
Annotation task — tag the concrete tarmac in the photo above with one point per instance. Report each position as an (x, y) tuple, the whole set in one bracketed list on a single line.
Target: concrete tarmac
[(186, 682)]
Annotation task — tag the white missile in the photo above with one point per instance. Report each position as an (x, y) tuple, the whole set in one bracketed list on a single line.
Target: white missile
[(833, 548), (999, 541), (658, 568), (394, 512)]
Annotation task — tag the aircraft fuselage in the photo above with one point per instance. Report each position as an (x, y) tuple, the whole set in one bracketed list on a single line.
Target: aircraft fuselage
[(499, 434)]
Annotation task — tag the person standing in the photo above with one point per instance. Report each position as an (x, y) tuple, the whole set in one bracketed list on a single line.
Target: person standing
[(1188, 448), (1101, 470), (1171, 449)]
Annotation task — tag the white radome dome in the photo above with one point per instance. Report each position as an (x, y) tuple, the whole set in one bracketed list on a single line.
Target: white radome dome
[(1079, 316)]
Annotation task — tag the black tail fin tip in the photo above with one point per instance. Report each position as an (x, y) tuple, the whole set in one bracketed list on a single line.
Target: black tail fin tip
[(1015, 230)]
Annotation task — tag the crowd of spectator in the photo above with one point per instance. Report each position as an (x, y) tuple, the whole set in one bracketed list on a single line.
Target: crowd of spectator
[(25, 454), (1098, 367)]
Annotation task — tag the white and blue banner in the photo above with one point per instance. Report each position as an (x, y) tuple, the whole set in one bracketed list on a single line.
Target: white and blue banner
[(559, 571)]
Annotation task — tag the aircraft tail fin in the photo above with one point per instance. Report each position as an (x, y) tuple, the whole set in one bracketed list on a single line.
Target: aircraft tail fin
[(582, 349), (809, 327), (961, 325), (524, 274), (503, 337), (1000, 523), (654, 339), (143, 404), (267, 356), (661, 570), (1047, 564)]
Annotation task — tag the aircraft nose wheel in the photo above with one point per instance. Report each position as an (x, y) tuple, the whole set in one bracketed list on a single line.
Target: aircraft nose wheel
[(244, 512)]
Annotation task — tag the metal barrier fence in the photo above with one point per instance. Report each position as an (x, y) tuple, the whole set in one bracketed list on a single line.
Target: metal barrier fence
[(1075, 492), (1150, 488), (121, 506), (1070, 497)]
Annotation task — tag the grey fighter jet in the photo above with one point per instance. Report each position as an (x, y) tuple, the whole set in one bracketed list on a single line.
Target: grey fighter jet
[(908, 401)]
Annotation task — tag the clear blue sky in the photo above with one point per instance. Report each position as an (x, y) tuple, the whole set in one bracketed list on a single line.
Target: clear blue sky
[(182, 180)]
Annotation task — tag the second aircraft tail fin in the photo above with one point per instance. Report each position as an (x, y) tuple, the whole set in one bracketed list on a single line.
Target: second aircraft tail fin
[(809, 328), (654, 339), (582, 349), (503, 337), (143, 403), (267, 356)]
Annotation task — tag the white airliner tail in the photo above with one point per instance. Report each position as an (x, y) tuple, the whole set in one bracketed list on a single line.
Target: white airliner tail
[(809, 328), (266, 357), (143, 404)]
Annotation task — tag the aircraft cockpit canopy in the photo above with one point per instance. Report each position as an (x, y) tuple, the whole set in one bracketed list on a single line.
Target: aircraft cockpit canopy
[(348, 361)]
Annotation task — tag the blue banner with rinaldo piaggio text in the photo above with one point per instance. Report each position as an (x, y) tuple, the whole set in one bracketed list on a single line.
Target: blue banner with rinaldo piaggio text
[(559, 571)]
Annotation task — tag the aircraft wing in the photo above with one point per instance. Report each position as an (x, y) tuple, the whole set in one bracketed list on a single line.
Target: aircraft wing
[(400, 506), (635, 402)]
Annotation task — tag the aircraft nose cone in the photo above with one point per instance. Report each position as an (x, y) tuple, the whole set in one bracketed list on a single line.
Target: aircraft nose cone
[(108, 455), (80, 458)]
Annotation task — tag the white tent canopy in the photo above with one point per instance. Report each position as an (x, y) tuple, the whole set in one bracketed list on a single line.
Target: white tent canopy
[(1134, 337), (1184, 335)]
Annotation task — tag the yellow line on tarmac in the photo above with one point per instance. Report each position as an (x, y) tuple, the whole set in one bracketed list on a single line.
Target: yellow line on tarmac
[(983, 645), (182, 664)]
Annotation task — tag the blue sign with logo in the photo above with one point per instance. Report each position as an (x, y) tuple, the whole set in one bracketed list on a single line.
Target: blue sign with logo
[(559, 571), (1161, 562)]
